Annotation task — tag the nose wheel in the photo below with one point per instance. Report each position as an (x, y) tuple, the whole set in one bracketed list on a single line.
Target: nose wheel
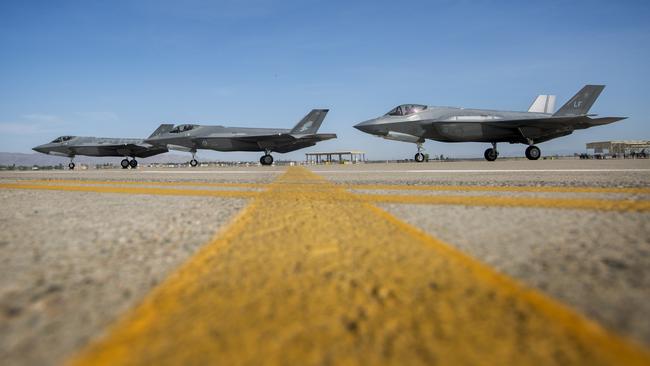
[(125, 163), (267, 159), (419, 157), (533, 152), (71, 166), (491, 154), (194, 163)]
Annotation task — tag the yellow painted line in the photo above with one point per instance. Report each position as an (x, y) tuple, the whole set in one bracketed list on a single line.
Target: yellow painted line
[(391, 187), (564, 203), (489, 201), (470, 188), (310, 191), (134, 190), (150, 183), (338, 281)]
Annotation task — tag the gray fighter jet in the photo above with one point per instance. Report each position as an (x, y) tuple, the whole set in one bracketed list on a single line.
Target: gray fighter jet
[(190, 137), (414, 123), (71, 146)]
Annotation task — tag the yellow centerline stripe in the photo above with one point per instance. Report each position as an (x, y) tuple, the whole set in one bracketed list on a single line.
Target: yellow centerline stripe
[(310, 189), (339, 281), (135, 190)]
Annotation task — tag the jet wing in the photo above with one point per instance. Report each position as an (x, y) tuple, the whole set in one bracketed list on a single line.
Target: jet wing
[(280, 142), (544, 129), (578, 122), (144, 150), (141, 150), (302, 141)]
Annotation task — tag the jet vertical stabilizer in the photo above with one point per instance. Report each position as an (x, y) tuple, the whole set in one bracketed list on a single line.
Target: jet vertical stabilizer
[(543, 104), (164, 128), (581, 102), (310, 123)]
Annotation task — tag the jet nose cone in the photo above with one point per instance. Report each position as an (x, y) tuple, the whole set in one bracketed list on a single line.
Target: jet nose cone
[(366, 126), (40, 149)]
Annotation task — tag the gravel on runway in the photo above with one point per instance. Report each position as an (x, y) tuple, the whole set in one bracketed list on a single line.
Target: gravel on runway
[(72, 262), (597, 262)]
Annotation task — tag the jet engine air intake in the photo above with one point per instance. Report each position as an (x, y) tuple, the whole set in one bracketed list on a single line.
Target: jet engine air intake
[(404, 137)]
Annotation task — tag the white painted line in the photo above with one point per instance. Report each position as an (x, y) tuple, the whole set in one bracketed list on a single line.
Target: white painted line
[(151, 171), (485, 171), (214, 172)]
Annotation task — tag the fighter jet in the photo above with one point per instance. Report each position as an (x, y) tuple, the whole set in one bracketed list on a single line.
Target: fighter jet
[(415, 122), (71, 146), (191, 137)]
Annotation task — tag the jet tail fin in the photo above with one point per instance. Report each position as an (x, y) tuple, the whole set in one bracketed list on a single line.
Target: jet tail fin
[(543, 104), (311, 122), (581, 102), (164, 128)]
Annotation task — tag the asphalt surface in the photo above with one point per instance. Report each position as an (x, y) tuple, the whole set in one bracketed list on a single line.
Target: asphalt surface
[(73, 262)]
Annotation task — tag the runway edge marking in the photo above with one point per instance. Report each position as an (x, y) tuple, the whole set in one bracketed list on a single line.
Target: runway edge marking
[(303, 281)]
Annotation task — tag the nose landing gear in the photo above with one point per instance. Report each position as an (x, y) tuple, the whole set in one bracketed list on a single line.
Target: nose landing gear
[(125, 163), (419, 157), (266, 159), (491, 154), (194, 162)]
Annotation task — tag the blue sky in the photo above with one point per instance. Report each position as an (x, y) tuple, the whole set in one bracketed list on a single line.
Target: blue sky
[(120, 68)]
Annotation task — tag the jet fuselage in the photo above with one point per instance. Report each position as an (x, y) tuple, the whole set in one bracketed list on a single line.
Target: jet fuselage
[(451, 124)]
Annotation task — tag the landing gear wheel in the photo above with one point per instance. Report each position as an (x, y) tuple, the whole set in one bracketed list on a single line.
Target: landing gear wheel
[(133, 163), (193, 163), (490, 154), (71, 166), (533, 152), (266, 160), (124, 163), (419, 157)]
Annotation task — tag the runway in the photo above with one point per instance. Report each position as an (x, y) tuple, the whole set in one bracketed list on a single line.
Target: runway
[(509, 262)]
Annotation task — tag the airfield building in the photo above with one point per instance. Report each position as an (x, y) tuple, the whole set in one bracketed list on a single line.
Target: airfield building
[(327, 157), (620, 148)]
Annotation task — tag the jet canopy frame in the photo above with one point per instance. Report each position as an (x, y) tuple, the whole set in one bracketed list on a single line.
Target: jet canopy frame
[(62, 139), (406, 109), (183, 128)]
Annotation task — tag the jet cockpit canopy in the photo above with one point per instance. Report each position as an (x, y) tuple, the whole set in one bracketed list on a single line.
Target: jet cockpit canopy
[(62, 139), (406, 109), (182, 128)]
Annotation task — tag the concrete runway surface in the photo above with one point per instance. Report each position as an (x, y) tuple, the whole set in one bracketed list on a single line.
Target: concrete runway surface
[(510, 262)]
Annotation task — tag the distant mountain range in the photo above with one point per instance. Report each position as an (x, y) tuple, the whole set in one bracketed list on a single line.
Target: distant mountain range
[(21, 159)]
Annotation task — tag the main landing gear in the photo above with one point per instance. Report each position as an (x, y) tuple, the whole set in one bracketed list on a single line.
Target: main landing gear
[(194, 163), (419, 157), (126, 163), (491, 154), (266, 159), (533, 152)]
